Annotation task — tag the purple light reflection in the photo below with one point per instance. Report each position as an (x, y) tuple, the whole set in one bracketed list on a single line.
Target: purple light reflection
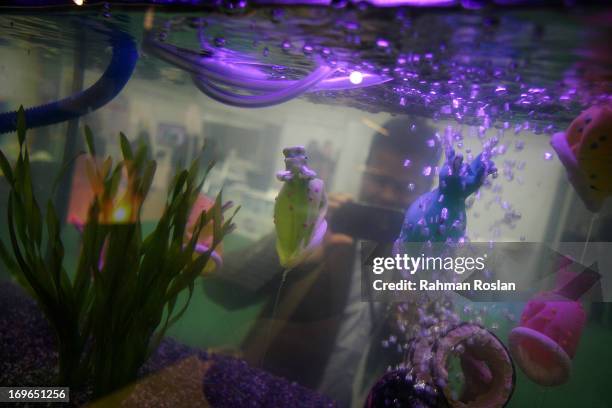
[(468, 4)]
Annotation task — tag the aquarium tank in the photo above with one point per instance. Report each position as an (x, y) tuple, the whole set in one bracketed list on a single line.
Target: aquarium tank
[(306, 203)]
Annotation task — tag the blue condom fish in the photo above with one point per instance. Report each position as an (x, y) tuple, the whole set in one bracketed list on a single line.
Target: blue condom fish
[(439, 215)]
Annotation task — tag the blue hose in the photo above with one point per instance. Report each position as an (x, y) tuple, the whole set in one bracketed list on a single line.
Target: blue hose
[(117, 74)]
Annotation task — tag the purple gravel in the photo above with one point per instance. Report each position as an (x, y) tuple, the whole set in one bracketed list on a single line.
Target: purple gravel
[(28, 357), (27, 343), (231, 383)]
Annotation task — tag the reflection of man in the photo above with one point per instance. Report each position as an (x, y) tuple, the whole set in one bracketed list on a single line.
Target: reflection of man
[(322, 327), (322, 159)]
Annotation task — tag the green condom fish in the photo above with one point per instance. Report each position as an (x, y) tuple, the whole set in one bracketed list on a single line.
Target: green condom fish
[(300, 208)]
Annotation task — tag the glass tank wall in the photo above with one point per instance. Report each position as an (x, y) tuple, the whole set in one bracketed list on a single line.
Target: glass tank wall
[(383, 101)]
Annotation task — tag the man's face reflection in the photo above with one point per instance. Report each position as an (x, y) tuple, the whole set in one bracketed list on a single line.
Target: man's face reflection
[(386, 181)]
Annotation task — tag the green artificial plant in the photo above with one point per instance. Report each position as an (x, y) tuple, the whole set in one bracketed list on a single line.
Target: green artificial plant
[(114, 309)]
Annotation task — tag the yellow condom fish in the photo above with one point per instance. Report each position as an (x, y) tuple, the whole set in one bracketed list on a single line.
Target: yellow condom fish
[(300, 208)]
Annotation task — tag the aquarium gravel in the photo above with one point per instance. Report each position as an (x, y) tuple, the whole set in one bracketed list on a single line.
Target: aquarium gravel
[(28, 357)]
